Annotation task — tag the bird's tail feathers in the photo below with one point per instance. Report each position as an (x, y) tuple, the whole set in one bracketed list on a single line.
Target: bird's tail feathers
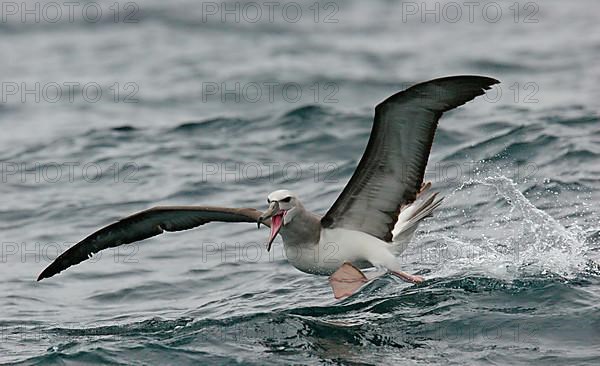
[(411, 215)]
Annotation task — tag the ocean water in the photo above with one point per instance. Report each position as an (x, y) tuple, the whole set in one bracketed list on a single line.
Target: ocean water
[(210, 103)]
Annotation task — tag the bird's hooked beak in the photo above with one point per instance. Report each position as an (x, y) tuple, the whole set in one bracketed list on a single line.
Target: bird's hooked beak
[(276, 216)]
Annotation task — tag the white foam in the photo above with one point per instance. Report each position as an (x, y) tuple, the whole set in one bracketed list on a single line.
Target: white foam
[(507, 242)]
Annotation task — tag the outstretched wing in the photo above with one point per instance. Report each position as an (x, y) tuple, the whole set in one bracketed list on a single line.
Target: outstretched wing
[(390, 172), (146, 224)]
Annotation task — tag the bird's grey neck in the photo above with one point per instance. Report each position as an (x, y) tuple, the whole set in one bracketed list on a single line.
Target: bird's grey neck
[(304, 229)]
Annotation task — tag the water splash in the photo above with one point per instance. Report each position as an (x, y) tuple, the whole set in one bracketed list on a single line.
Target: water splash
[(513, 239)]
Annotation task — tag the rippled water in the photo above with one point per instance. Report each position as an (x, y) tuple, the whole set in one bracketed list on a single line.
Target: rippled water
[(511, 257)]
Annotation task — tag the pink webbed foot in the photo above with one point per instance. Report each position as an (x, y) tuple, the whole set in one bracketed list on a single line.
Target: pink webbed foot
[(346, 280), (408, 277)]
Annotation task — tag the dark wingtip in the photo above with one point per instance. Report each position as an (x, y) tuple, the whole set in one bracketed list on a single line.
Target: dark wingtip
[(484, 82), (456, 91), (488, 81), (461, 89), (477, 81), (43, 275), (48, 272), (480, 78)]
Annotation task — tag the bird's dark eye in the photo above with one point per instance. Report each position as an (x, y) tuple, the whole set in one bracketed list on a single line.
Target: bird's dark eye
[(268, 201), (287, 199)]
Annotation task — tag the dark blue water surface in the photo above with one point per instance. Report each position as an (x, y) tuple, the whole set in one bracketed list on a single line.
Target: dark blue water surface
[(197, 110)]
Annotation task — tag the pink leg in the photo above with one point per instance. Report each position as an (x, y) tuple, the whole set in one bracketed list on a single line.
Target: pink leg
[(346, 280), (408, 277)]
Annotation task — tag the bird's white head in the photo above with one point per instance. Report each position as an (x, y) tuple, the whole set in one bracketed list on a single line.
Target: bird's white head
[(283, 207)]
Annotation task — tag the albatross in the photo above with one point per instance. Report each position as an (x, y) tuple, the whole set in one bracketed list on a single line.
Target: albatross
[(370, 223)]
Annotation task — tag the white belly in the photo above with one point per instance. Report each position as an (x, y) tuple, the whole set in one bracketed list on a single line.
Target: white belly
[(337, 246)]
